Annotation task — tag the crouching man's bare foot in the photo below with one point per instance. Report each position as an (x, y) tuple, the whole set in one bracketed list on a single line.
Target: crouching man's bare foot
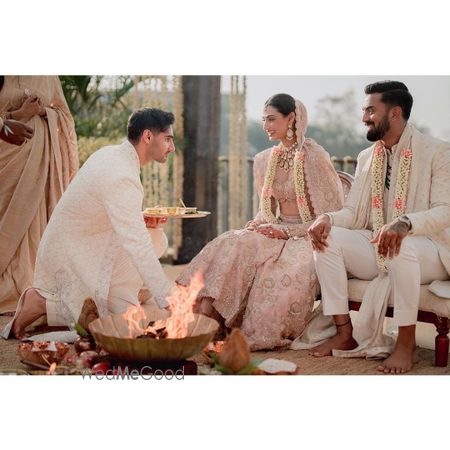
[(342, 340), (33, 307), (402, 358)]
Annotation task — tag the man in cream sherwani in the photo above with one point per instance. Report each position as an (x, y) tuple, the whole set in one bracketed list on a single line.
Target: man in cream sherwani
[(414, 243), (96, 243)]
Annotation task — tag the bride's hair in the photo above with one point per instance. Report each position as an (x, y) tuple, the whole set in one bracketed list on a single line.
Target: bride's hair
[(284, 103)]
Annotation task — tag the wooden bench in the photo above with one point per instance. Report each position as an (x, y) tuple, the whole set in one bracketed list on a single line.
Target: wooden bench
[(432, 309)]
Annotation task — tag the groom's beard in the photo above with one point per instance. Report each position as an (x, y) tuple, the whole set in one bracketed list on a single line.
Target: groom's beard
[(378, 132)]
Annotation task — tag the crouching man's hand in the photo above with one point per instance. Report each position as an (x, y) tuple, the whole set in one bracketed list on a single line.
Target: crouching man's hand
[(154, 222)]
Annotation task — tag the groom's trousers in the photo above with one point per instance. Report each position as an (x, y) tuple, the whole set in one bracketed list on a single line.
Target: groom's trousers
[(350, 253)]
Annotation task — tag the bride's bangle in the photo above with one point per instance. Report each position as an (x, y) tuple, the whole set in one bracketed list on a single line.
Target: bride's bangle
[(288, 233)]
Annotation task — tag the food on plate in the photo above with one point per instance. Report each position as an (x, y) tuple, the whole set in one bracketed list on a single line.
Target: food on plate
[(152, 211), (169, 210)]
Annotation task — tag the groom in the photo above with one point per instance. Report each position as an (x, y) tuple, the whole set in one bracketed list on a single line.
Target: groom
[(96, 243), (396, 221)]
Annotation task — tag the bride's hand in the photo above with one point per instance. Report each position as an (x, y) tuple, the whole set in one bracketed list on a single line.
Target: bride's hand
[(271, 232)]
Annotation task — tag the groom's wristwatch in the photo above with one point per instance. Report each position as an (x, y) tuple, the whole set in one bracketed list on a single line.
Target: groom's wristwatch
[(404, 219)]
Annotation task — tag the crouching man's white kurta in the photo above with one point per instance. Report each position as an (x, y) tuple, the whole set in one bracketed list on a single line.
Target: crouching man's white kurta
[(96, 243)]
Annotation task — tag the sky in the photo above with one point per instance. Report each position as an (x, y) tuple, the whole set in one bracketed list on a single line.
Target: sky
[(431, 95)]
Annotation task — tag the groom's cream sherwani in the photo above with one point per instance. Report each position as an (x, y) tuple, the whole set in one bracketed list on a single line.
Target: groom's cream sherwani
[(96, 243), (428, 197), (424, 254)]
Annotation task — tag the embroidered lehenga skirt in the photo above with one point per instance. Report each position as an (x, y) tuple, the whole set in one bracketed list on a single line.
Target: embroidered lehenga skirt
[(264, 286)]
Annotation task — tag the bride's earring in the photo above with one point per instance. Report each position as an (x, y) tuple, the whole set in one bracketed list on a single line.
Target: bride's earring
[(289, 133)]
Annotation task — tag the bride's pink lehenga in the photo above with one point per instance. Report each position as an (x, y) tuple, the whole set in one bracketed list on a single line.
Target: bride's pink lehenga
[(267, 286)]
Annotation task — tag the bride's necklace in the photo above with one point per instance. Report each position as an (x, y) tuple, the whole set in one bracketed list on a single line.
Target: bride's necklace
[(286, 159)]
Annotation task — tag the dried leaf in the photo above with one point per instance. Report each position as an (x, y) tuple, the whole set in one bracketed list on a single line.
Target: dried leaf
[(89, 313)]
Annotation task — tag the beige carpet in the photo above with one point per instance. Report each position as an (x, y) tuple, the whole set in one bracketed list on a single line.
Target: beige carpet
[(307, 365)]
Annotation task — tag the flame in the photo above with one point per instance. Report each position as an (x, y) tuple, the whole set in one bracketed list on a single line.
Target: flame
[(51, 369), (181, 303), (134, 316)]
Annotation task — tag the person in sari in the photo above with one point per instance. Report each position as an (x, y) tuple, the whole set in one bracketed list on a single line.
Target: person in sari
[(262, 278), (33, 176)]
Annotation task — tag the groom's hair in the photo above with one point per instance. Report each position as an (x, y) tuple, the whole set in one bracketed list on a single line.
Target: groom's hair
[(394, 93), (151, 119)]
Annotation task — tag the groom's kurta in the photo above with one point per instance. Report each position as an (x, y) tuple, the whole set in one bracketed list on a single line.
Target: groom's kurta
[(428, 208), (428, 196), (96, 237)]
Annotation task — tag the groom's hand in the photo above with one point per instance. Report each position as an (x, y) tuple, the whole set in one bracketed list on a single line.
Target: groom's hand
[(154, 222), (319, 231), (390, 237)]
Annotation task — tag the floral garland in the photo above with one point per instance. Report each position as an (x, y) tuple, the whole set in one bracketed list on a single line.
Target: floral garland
[(299, 180), (401, 188)]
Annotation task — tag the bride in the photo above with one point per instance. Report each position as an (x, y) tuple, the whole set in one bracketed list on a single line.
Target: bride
[(262, 278)]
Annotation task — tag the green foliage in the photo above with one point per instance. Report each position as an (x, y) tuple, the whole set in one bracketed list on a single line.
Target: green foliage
[(249, 369), (100, 105), (338, 127), (81, 92), (257, 137), (89, 145), (80, 330)]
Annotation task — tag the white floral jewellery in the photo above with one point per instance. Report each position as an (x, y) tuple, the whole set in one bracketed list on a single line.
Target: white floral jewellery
[(378, 187), (299, 180)]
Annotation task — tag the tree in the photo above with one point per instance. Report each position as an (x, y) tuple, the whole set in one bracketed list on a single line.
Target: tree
[(338, 128), (81, 92), (98, 103)]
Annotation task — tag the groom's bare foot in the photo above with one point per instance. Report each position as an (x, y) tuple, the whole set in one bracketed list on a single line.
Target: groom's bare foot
[(401, 361), (33, 307), (337, 342), (402, 358)]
